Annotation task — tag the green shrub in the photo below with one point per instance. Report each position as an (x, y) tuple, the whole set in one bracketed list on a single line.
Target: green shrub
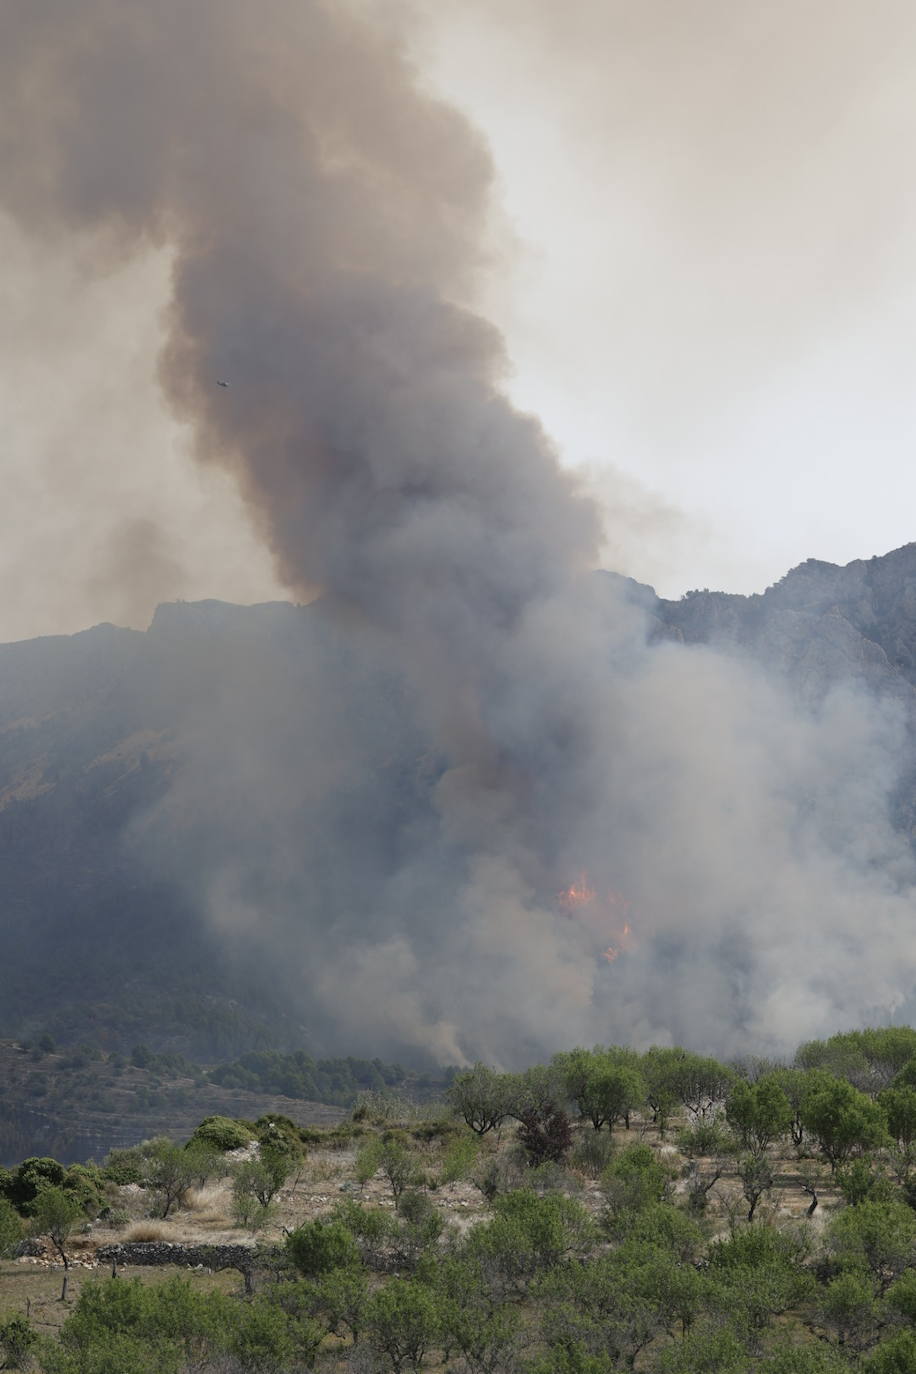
[(223, 1133), (17, 1339), (124, 1167), (28, 1178), (460, 1158), (10, 1228), (319, 1246)]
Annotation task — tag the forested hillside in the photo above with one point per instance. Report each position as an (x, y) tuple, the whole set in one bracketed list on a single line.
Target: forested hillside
[(604, 1212)]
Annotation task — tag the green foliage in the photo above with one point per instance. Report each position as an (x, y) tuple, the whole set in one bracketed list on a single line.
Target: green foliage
[(699, 1084), (317, 1247), (619, 1303), (55, 1214), (862, 1181), (710, 1347), (868, 1059), (390, 1155), (114, 1353), (338, 1298), (126, 1166), (22, 1184), (660, 1068), (529, 1235), (482, 1098), (372, 1228), (205, 1161), (879, 1237), (420, 1228), (403, 1321), (790, 1358), (603, 1088), (10, 1228), (895, 1355), (459, 1159), (757, 1246), (848, 1309), (337, 1081), (899, 1107), (17, 1340), (842, 1120), (170, 1172), (703, 1139), (170, 1326), (252, 1193), (758, 1113), (636, 1179), (759, 1274), (223, 1133), (756, 1174), (660, 1226)]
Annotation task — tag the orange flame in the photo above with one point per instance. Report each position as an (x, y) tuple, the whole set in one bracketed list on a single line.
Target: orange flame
[(579, 893), (580, 901)]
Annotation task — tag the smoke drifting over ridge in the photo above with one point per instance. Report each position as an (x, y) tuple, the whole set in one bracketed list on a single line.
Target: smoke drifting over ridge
[(327, 224)]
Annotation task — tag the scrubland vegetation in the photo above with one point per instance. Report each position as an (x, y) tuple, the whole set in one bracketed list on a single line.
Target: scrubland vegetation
[(608, 1211)]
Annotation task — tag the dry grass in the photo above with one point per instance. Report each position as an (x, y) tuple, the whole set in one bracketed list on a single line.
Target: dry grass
[(148, 1231), (321, 1169)]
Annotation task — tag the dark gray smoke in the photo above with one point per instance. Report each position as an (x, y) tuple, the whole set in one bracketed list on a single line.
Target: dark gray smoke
[(326, 220)]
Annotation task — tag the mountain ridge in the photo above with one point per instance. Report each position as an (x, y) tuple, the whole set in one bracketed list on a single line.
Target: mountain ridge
[(102, 943)]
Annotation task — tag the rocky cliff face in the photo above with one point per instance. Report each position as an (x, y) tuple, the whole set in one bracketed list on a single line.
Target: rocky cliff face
[(820, 625)]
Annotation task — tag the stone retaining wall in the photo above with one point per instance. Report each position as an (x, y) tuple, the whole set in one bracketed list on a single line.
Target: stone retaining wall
[(240, 1257)]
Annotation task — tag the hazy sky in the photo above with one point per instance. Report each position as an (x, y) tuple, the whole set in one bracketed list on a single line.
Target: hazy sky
[(703, 256)]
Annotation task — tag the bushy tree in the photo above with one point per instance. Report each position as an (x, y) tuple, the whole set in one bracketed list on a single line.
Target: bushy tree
[(701, 1085), (842, 1120), (482, 1097), (899, 1107), (660, 1067), (170, 1172), (527, 1236), (879, 1237), (403, 1322), (55, 1214), (758, 1113), (603, 1088)]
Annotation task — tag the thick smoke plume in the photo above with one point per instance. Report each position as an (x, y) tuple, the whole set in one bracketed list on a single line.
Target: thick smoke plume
[(481, 719)]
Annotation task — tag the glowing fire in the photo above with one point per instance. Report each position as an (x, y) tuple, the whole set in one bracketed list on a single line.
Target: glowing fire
[(581, 902), (614, 951), (579, 893)]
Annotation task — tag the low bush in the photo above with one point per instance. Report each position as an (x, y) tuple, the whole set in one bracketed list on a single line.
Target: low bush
[(223, 1133)]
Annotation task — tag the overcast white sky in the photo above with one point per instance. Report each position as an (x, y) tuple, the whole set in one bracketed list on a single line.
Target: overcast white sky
[(704, 262)]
